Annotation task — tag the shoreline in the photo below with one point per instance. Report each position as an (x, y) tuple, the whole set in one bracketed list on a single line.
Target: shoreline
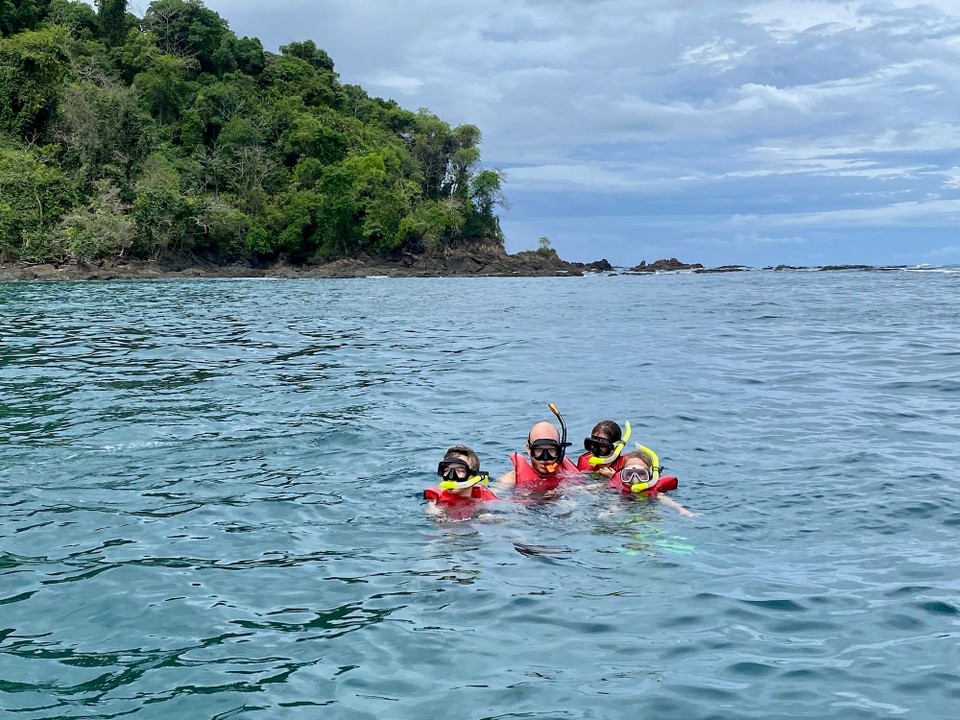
[(463, 264)]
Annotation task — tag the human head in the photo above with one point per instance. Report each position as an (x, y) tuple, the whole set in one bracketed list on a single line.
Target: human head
[(465, 454), (640, 480), (460, 469), (544, 435), (603, 437), (607, 429), (637, 458)]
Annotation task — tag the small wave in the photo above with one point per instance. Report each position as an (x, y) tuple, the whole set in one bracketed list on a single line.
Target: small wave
[(141, 445)]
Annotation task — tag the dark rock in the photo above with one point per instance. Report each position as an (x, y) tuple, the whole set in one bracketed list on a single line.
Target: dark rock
[(847, 267), (722, 269), (665, 265), (875, 268), (598, 266), (787, 267)]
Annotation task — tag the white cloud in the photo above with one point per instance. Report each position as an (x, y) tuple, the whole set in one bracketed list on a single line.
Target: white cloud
[(932, 213), (952, 178), (401, 83), (948, 254)]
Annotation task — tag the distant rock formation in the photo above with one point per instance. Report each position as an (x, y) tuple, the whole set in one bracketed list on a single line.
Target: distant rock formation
[(847, 267), (723, 269), (598, 266), (664, 266)]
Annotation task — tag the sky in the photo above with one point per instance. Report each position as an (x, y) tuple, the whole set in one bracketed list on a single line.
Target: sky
[(803, 132)]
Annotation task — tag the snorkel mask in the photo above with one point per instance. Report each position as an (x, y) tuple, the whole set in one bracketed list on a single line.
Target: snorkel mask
[(614, 453), (458, 475), (553, 464), (639, 477)]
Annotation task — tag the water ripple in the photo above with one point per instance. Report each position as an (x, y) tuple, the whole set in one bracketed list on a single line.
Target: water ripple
[(209, 499)]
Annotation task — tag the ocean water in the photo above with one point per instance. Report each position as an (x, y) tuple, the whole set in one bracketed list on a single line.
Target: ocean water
[(210, 498)]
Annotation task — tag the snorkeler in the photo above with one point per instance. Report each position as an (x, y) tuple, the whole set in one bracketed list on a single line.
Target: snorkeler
[(604, 449), (640, 477), (462, 489), (547, 465)]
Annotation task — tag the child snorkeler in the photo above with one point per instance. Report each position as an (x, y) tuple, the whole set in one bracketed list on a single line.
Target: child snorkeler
[(462, 489), (604, 449), (640, 476)]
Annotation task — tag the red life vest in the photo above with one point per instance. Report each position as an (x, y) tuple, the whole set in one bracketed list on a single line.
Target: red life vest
[(583, 463), (663, 484), (528, 479), (445, 497), (458, 507)]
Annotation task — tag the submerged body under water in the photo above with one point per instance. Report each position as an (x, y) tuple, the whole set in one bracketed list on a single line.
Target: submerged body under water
[(211, 498)]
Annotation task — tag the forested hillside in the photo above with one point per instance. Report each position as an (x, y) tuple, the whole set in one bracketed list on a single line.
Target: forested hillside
[(126, 136)]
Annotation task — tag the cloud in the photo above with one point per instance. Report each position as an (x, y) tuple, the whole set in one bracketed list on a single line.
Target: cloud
[(948, 254), (799, 113)]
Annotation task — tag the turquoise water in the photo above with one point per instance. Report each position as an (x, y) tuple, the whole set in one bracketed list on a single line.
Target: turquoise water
[(209, 498)]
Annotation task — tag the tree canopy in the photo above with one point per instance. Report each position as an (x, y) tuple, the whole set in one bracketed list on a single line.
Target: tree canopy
[(168, 133)]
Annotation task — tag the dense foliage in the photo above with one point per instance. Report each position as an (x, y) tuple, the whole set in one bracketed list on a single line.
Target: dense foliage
[(168, 133)]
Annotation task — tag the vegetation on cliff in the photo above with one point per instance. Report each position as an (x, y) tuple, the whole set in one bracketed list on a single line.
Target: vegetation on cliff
[(124, 136)]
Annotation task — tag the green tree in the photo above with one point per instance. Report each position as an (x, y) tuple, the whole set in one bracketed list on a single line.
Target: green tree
[(224, 228), (187, 29), (164, 87), (485, 195), (217, 102), (19, 15), (77, 17), (99, 230), (248, 55), (112, 21), (33, 68), (164, 218), (287, 76), (309, 136), (103, 132), (433, 224), (430, 145), (363, 201), (34, 195), (309, 52)]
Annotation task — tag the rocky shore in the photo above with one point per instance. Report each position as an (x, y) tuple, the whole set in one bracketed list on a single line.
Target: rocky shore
[(484, 260), (476, 260)]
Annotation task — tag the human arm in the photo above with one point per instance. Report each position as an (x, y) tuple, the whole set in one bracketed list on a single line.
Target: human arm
[(509, 478), (670, 502)]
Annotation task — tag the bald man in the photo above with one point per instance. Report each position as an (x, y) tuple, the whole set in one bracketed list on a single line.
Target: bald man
[(545, 469)]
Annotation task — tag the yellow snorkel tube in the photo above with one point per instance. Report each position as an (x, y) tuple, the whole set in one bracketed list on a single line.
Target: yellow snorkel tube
[(481, 478), (449, 481), (653, 472), (617, 449)]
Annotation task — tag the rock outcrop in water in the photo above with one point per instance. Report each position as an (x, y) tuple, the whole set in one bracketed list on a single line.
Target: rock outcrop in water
[(664, 265), (722, 269)]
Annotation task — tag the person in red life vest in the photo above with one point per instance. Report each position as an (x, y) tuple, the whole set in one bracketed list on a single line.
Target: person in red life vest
[(604, 449), (462, 489), (640, 477), (547, 465)]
